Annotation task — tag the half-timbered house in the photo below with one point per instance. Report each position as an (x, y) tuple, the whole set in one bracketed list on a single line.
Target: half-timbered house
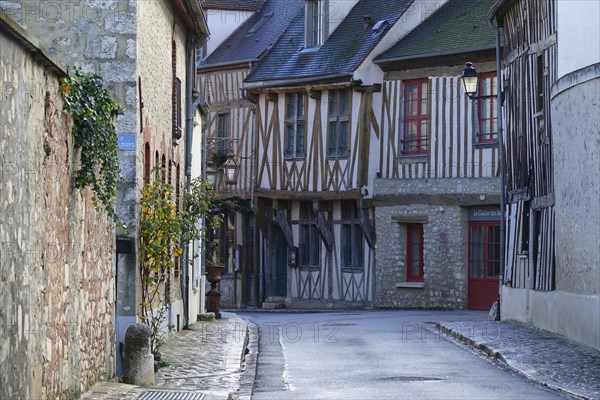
[(318, 96), (231, 130), (551, 92), (436, 199)]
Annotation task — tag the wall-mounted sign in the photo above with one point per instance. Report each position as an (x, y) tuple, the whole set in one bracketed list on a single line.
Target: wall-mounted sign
[(126, 142), (484, 214)]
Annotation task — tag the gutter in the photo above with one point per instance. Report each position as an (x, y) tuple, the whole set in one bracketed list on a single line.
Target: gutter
[(191, 102), (285, 82), (431, 55), (502, 161), (497, 10)]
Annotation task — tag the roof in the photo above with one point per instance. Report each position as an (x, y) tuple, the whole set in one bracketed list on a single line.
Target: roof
[(458, 26), (344, 50), (255, 36), (241, 5)]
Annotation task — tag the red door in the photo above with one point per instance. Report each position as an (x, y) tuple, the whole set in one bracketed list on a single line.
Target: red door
[(484, 264)]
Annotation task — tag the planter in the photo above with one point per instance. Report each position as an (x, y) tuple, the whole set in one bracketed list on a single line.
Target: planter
[(213, 297)]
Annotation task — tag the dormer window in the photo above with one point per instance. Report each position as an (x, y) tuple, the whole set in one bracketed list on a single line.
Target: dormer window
[(315, 23)]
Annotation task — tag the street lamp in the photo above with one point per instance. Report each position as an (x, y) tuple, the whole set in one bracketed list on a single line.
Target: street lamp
[(470, 80), (231, 170)]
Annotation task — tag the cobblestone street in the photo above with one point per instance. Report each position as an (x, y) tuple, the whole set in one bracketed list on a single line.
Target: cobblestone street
[(206, 360)]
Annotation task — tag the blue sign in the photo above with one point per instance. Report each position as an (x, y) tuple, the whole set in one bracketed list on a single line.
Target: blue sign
[(484, 214), (126, 142)]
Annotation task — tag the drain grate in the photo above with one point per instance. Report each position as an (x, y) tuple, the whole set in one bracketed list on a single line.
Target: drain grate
[(162, 395), (410, 379)]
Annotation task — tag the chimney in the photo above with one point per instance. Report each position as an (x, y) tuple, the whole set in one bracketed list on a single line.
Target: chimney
[(367, 23)]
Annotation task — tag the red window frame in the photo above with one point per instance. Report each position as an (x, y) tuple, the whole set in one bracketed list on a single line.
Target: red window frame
[(488, 96), (417, 143), (410, 229)]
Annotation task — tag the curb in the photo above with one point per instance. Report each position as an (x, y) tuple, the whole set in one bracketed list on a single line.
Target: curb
[(248, 360), (497, 355)]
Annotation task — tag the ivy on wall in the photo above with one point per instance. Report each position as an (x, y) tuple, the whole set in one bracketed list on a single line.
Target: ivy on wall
[(94, 131)]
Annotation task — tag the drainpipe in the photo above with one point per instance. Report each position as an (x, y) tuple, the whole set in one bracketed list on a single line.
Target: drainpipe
[(192, 100), (502, 163)]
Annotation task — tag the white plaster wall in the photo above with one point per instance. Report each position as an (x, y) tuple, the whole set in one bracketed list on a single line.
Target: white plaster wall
[(569, 314), (223, 23), (578, 34)]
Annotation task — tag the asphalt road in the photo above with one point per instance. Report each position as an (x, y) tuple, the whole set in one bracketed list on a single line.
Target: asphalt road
[(376, 355)]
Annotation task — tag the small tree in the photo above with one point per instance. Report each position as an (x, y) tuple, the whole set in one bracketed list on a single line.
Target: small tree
[(162, 231)]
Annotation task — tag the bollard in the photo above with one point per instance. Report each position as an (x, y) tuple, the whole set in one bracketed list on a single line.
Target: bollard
[(138, 362)]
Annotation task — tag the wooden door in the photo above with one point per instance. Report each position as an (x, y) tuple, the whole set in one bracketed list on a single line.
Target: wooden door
[(484, 264), (278, 263)]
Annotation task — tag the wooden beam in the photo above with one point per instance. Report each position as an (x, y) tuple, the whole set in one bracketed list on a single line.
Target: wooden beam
[(324, 230), (462, 200), (368, 227), (411, 219), (308, 195), (540, 202), (314, 94), (284, 225)]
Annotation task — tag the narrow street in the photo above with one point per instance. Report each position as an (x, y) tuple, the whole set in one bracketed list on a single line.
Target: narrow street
[(376, 355)]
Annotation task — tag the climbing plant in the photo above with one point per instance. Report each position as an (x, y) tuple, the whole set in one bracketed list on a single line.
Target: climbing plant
[(93, 112), (163, 231)]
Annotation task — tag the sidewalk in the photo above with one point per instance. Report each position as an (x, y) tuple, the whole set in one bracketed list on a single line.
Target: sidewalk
[(207, 361), (543, 357)]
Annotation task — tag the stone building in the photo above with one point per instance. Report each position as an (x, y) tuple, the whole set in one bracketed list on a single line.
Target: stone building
[(57, 332), (437, 198), (145, 52)]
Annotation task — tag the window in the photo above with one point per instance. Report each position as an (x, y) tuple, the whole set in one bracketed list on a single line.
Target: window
[(488, 109), (339, 121), (259, 23), (416, 118), (223, 132), (352, 240), (147, 157), (315, 32), (177, 129), (310, 243), (294, 126), (414, 252)]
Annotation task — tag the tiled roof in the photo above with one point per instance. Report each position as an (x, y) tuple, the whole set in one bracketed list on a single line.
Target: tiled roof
[(459, 25), (341, 53), (242, 5), (257, 34)]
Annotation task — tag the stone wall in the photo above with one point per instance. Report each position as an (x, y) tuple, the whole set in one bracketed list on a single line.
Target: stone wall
[(56, 259), (99, 36), (445, 239)]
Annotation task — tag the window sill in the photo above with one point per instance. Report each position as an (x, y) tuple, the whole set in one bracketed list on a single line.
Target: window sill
[(354, 270), (410, 285), (486, 145), (413, 158), (309, 267), (333, 157)]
